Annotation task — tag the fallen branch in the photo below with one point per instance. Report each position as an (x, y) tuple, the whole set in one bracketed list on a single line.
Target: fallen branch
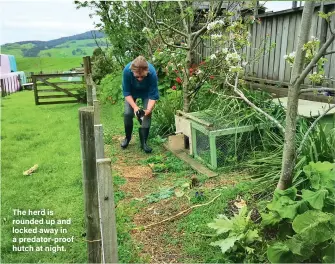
[(175, 216)]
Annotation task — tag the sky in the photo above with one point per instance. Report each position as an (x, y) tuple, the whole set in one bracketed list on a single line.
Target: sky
[(44, 20)]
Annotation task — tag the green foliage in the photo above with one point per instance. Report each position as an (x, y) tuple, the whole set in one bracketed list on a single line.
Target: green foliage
[(242, 234), (103, 64), (163, 193), (310, 218), (110, 89), (326, 16), (266, 164), (163, 115), (122, 27)]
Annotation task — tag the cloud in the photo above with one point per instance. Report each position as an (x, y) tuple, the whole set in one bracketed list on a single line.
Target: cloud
[(42, 20), (45, 24)]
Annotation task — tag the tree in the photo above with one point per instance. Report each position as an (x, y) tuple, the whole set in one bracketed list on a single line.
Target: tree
[(187, 29), (299, 73), (121, 26)]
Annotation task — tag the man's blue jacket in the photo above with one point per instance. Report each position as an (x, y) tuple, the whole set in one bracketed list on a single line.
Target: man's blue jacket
[(146, 89)]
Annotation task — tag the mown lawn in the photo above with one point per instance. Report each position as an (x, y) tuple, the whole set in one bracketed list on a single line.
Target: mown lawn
[(47, 136)]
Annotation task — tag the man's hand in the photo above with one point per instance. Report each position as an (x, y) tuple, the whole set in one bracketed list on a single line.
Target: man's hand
[(147, 112), (136, 108)]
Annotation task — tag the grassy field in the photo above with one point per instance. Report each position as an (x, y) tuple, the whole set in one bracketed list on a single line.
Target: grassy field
[(69, 49), (47, 136), (47, 64)]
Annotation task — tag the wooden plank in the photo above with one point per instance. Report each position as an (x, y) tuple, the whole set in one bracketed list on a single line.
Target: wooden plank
[(230, 131), (99, 141), (282, 92), (190, 116), (277, 57), (194, 141), (297, 30), (107, 211), (59, 88), (212, 146), (273, 51), (63, 83), (53, 96), (58, 102), (266, 70), (253, 48), (283, 64), (266, 81), (291, 38), (35, 90), (56, 75), (90, 184), (199, 127), (96, 108), (258, 37), (192, 162), (248, 49), (54, 90), (262, 46)]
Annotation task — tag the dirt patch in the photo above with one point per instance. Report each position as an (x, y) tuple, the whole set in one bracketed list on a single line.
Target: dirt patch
[(161, 242), (134, 172), (218, 183), (135, 188)]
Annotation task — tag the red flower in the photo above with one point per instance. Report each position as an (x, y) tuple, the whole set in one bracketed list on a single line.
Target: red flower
[(176, 71), (211, 77), (178, 80), (174, 87)]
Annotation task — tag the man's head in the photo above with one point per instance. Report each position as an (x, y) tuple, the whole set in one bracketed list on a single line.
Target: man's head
[(140, 68)]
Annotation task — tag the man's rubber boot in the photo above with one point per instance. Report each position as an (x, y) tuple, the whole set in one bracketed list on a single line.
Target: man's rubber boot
[(143, 134), (129, 130)]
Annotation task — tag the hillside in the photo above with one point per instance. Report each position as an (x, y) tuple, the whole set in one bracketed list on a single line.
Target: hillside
[(65, 47)]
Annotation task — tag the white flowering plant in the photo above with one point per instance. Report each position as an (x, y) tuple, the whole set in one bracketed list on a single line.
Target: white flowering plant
[(290, 58), (311, 48)]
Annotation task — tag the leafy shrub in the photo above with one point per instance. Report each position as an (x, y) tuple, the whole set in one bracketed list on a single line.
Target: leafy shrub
[(240, 240), (103, 64), (163, 118), (111, 88), (310, 215)]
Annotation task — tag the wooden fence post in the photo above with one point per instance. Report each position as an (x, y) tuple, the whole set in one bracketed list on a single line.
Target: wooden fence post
[(107, 208), (86, 122), (96, 107), (2, 84), (33, 78), (99, 141), (87, 74)]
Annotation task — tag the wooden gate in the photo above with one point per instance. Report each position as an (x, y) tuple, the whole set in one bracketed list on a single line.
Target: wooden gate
[(51, 86)]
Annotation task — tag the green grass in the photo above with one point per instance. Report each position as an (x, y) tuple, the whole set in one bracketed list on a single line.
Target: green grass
[(47, 136), (47, 64), (69, 49)]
